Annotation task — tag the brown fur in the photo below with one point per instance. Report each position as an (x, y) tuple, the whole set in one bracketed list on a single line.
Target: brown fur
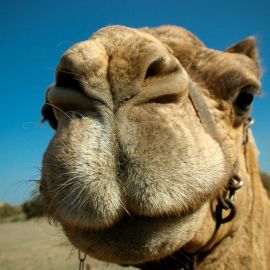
[(131, 173)]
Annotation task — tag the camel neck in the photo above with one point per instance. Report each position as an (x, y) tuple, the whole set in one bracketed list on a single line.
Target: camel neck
[(243, 244)]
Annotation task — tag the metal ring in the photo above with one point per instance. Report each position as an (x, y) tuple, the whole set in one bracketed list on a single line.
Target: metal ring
[(231, 214), (82, 256), (249, 122), (225, 203), (235, 182)]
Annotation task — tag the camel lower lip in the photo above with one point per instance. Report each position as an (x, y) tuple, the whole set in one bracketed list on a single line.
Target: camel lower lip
[(129, 220), (140, 237)]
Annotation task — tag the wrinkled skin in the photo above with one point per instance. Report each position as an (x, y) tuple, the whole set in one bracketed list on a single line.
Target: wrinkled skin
[(131, 172)]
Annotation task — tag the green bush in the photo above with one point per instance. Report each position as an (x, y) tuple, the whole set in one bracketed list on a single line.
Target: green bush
[(266, 181), (32, 208), (8, 210)]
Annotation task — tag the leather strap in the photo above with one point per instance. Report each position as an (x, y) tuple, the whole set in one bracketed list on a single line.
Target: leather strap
[(205, 116), (203, 112)]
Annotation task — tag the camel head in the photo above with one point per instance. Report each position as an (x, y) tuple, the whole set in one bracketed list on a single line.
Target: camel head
[(131, 170)]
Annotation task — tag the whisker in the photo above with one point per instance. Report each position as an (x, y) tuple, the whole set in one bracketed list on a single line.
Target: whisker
[(184, 255), (56, 107), (75, 112), (65, 113)]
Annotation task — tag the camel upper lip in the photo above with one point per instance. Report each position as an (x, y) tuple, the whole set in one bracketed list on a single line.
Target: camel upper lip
[(70, 96)]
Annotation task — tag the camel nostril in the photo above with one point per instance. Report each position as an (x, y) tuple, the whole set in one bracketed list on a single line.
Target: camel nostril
[(154, 68), (66, 78), (162, 66)]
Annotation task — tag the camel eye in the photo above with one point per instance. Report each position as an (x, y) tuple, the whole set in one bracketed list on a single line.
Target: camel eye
[(243, 102)]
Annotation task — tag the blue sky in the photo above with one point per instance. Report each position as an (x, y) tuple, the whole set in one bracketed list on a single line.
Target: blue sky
[(34, 35)]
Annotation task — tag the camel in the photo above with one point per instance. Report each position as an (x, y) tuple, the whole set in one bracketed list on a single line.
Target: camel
[(153, 163)]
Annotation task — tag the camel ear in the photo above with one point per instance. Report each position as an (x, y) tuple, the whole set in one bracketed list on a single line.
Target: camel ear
[(246, 47), (48, 114)]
